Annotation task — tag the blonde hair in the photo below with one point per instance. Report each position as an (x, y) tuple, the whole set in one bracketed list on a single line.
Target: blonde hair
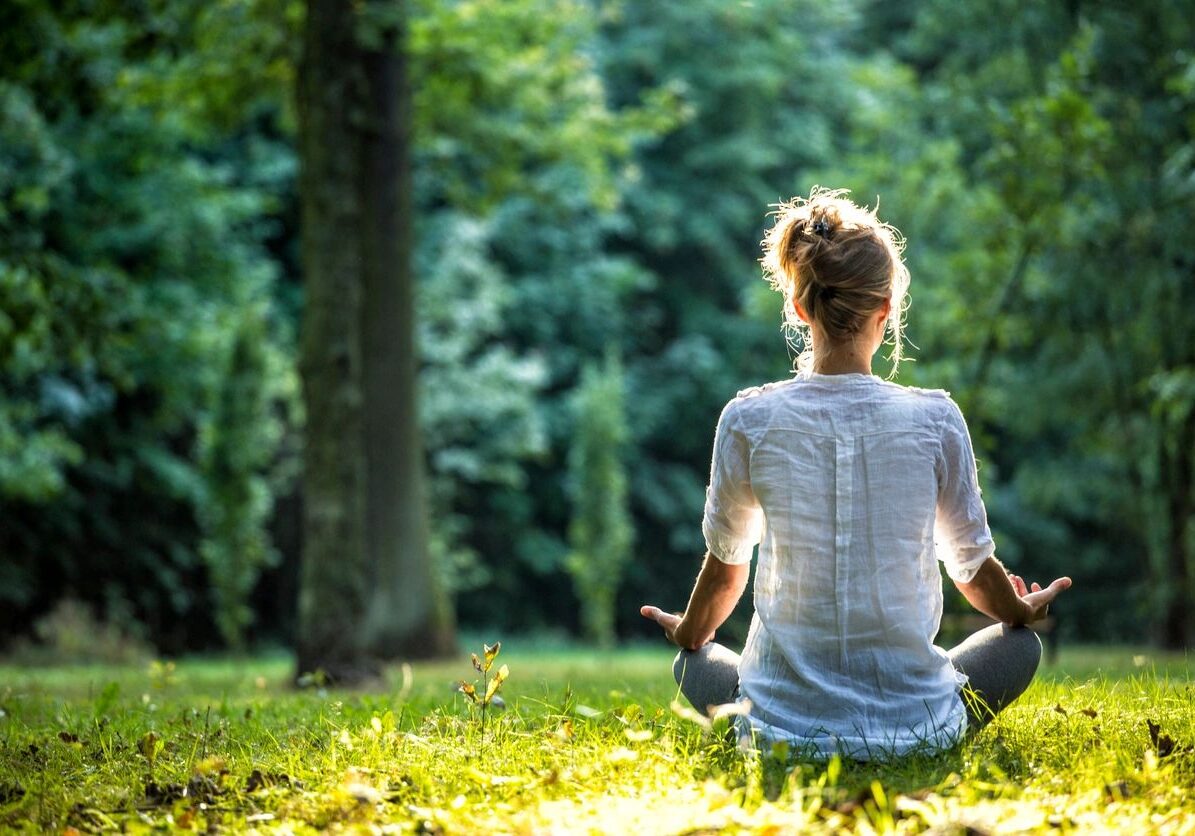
[(841, 263)]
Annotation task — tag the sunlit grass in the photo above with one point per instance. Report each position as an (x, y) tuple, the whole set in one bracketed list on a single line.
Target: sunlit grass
[(587, 743)]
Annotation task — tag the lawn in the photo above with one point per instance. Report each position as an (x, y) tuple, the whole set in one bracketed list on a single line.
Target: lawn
[(587, 742)]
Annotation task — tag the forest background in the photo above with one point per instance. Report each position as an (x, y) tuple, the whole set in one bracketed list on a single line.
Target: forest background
[(591, 183)]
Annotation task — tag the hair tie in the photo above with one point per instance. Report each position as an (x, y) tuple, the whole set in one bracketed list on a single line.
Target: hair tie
[(820, 227)]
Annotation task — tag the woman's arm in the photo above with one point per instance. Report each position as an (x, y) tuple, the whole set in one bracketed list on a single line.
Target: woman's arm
[(1004, 597), (719, 587)]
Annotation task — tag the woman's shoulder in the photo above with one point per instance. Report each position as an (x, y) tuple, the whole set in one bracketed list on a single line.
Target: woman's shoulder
[(917, 392), (936, 407), (764, 389), (753, 401)]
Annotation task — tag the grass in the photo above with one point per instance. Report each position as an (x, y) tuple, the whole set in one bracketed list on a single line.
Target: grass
[(588, 743)]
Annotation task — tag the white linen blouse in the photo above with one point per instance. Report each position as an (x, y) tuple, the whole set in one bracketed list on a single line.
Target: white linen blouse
[(845, 482)]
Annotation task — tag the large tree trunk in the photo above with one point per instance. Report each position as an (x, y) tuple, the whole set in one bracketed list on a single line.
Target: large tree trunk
[(367, 590), (409, 614), (335, 576)]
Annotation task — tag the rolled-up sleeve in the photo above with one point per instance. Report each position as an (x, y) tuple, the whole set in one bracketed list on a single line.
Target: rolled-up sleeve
[(962, 538), (733, 520)]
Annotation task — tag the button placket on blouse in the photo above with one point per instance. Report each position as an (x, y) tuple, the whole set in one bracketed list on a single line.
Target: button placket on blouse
[(843, 491)]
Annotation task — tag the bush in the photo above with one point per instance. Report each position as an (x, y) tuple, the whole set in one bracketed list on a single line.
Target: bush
[(71, 634)]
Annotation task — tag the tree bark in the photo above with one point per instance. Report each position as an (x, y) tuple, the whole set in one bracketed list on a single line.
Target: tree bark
[(408, 614), (334, 580), (368, 591)]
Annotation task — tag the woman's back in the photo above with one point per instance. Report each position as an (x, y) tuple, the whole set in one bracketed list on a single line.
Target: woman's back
[(849, 473), (846, 482)]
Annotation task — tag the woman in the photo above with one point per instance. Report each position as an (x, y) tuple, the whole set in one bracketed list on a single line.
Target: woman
[(846, 481)]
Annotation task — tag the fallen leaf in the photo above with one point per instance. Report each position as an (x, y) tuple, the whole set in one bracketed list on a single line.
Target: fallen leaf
[(163, 793), (255, 781), (186, 819), (203, 788), (1164, 744), (1118, 790)]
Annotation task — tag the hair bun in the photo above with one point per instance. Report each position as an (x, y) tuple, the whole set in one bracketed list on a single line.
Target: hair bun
[(838, 263)]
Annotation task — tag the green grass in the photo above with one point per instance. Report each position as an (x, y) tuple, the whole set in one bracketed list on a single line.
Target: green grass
[(588, 743)]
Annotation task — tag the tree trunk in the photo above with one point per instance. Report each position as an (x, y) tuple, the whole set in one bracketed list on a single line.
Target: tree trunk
[(334, 582), (367, 588), (408, 613)]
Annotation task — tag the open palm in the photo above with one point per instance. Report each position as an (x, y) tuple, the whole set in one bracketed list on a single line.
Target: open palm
[(1036, 597)]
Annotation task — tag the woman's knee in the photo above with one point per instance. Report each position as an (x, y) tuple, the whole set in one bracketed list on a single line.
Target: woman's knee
[(1022, 651), (1026, 642), (681, 662), (678, 666), (1030, 643)]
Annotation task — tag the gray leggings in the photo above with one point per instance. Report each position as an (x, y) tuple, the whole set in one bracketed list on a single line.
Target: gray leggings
[(999, 662)]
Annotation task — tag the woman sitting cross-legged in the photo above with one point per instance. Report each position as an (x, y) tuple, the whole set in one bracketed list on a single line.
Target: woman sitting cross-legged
[(846, 481)]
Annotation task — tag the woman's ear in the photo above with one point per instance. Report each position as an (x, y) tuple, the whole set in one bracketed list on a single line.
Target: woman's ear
[(885, 311), (801, 312)]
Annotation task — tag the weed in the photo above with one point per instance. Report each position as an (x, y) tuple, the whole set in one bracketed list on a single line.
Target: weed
[(489, 685)]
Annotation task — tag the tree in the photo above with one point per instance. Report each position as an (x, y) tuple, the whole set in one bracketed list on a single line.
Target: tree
[(601, 531), (1074, 134), (409, 614), (367, 587)]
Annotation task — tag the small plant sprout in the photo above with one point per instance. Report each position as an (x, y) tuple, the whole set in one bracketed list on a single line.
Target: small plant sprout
[(490, 685)]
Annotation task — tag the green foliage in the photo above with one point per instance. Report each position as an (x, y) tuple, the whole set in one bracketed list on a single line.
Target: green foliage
[(129, 252), (763, 95), (1080, 294), (588, 743), (70, 634), (587, 175), (477, 394), (238, 448), (600, 533)]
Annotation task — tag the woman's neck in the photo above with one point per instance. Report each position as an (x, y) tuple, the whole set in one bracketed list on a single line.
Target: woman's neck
[(841, 360)]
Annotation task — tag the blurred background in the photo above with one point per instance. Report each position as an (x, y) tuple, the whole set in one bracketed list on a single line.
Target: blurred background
[(590, 181)]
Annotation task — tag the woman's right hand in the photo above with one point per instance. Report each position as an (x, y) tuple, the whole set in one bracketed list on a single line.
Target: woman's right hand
[(1037, 599)]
